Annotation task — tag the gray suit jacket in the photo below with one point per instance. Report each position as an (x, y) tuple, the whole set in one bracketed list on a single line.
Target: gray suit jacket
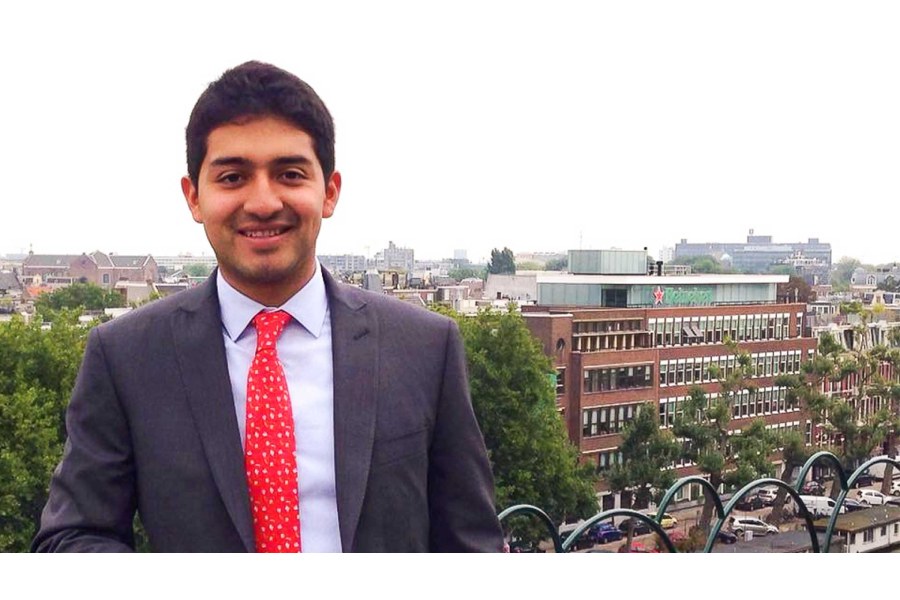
[(152, 427)]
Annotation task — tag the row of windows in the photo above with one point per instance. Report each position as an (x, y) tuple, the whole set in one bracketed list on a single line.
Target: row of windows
[(607, 326), (619, 341), (765, 401), (678, 331), (618, 378), (869, 534), (686, 371), (604, 420)]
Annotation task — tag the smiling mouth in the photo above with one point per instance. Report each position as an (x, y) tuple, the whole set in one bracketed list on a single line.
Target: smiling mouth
[(263, 233)]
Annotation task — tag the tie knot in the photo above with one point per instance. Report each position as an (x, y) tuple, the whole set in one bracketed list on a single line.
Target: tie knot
[(269, 326)]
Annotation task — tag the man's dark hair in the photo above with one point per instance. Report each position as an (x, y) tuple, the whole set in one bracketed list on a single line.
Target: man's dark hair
[(256, 89)]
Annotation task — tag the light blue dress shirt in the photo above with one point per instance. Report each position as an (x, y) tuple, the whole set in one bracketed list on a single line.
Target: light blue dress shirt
[(304, 349)]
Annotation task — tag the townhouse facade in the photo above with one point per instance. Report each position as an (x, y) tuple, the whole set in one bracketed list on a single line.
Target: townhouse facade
[(98, 268)]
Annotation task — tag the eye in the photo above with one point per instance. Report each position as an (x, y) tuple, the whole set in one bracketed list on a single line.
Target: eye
[(230, 178), (293, 175)]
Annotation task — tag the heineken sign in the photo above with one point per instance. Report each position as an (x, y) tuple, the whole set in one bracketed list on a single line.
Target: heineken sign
[(677, 296)]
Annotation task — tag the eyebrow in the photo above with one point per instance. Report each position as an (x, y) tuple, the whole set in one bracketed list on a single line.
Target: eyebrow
[(239, 161)]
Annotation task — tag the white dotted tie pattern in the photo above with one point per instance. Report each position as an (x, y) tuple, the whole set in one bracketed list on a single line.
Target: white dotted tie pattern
[(269, 446)]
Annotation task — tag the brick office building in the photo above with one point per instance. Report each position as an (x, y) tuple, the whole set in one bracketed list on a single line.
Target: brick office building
[(620, 339)]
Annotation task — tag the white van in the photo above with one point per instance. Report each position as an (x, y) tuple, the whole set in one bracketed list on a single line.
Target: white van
[(820, 506)]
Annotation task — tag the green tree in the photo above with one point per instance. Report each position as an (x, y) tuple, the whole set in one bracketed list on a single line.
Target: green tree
[(648, 457), (557, 264), (37, 372), (78, 296), (502, 262), (842, 271), (529, 265), (890, 284), (702, 264), (729, 459), (460, 273), (197, 270), (515, 403)]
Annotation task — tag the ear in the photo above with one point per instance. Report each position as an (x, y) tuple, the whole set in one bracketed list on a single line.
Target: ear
[(192, 198), (332, 193)]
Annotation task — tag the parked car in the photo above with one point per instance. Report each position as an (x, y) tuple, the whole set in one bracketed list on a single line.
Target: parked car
[(871, 497), (750, 502), (820, 506), (895, 488), (726, 537), (851, 505), (582, 542), (813, 488), (739, 525), (767, 495), (640, 527), (605, 532), (668, 521), (893, 500), (864, 480)]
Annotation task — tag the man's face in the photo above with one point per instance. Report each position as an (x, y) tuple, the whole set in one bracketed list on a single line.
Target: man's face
[(261, 196)]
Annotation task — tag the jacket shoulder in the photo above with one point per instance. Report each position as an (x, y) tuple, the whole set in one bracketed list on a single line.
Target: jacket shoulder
[(155, 312)]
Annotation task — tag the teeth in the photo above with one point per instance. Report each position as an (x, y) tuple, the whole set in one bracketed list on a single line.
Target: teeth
[(260, 234)]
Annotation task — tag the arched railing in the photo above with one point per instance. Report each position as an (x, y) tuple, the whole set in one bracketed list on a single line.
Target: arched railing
[(721, 511)]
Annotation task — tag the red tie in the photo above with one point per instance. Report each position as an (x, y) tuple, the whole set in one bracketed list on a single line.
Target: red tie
[(269, 447)]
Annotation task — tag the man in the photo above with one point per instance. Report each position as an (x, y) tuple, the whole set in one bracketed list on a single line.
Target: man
[(271, 408)]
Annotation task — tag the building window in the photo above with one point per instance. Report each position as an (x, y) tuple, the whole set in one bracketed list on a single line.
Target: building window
[(106, 278), (560, 381), (609, 458), (618, 378), (868, 536), (605, 420)]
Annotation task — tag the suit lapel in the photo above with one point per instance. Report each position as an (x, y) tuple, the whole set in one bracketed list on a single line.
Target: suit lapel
[(197, 330), (355, 358)]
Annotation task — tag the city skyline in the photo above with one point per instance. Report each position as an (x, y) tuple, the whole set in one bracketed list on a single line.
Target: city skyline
[(474, 126), (449, 255)]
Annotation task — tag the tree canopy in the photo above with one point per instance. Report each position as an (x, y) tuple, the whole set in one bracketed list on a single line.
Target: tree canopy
[(515, 402), (702, 264), (78, 296), (732, 459), (198, 270), (557, 264), (842, 270), (37, 372), (502, 262)]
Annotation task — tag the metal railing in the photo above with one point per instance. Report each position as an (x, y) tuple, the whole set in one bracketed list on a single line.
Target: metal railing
[(721, 512)]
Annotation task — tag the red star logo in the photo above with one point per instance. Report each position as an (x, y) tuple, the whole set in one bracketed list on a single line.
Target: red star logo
[(658, 293)]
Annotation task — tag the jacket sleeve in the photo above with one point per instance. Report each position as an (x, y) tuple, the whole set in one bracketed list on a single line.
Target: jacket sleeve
[(460, 483), (92, 498)]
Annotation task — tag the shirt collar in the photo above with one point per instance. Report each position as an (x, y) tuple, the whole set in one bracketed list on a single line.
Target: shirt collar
[(309, 306)]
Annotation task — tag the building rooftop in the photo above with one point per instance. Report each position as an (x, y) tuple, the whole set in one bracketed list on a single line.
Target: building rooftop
[(553, 277), (860, 520)]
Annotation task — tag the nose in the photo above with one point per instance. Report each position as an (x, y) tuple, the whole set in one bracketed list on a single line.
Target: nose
[(262, 200)]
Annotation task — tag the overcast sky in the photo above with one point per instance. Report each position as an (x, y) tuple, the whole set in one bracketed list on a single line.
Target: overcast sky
[(469, 125)]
